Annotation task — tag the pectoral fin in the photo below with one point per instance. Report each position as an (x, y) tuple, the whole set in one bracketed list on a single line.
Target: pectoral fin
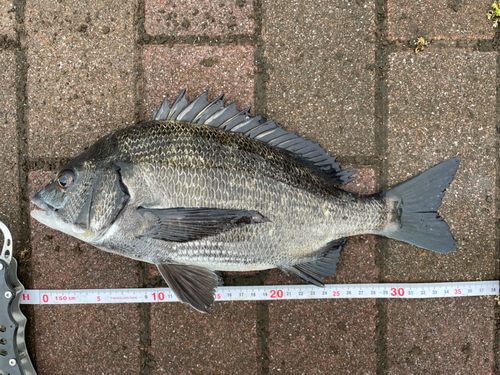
[(191, 284), (189, 224)]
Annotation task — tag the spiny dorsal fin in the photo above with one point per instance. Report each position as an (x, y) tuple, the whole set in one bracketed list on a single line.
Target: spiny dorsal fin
[(217, 115)]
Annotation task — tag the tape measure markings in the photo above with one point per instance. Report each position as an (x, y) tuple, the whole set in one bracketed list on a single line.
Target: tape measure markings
[(266, 292)]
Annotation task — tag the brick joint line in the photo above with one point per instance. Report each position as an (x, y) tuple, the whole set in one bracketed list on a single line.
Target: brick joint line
[(496, 333), (381, 108), (22, 234), (197, 40), (260, 100)]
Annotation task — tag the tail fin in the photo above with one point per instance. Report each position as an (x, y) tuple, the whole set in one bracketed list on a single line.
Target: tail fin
[(418, 200)]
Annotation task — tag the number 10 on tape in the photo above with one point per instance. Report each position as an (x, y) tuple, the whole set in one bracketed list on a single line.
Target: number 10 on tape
[(266, 292)]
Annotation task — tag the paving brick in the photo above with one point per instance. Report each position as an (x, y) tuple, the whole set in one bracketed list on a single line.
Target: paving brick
[(225, 69), (85, 339), (449, 336), (365, 181), (320, 57), (7, 20), (199, 18), (222, 342), (318, 337), (445, 20), (9, 188), (442, 105), (325, 336), (93, 339), (81, 77)]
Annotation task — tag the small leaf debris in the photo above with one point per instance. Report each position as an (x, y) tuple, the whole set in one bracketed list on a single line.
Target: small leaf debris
[(494, 14), (419, 44), (24, 255)]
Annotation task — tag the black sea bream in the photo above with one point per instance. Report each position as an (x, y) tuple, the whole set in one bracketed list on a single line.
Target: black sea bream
[(204, 188)]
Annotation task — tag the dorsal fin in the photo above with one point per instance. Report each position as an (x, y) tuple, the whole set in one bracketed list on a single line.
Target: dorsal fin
[(215, 114)]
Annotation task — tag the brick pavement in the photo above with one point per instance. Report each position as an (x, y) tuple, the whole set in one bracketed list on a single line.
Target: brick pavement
[(341, 73)]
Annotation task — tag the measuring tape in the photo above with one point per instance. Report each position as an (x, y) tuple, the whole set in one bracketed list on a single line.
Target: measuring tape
[(266, 293)]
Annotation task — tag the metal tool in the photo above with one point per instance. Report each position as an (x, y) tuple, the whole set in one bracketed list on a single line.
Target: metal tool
[(14, 358)]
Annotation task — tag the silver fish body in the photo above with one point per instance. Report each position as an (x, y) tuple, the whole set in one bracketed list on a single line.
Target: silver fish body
[(194, 198), (208, 167)]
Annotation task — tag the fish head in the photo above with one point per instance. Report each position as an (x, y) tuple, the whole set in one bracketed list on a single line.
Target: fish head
[(63, 201), (85, 197)]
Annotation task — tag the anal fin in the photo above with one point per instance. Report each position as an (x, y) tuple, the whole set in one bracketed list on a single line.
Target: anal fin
[(325, 265), (193, 285)]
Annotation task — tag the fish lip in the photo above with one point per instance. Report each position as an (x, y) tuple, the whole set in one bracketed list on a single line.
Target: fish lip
[(44, 206)]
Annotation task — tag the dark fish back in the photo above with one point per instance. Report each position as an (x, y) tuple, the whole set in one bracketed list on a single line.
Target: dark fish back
[(187, 145)]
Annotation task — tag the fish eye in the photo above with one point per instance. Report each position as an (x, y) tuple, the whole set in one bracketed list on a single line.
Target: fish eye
[(65, 179)]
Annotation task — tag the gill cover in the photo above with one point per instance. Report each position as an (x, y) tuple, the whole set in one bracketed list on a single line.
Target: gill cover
[(97, 187), (106, 199)]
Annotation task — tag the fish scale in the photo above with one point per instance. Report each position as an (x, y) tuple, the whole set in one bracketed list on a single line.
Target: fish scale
[(272, 199), (230, 193), (189, 144)]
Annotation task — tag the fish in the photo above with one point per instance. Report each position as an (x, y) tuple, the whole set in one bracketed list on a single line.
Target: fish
[(204, 188)]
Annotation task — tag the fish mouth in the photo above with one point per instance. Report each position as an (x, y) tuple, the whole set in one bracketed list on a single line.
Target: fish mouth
[(50, 216), (44, 206)]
